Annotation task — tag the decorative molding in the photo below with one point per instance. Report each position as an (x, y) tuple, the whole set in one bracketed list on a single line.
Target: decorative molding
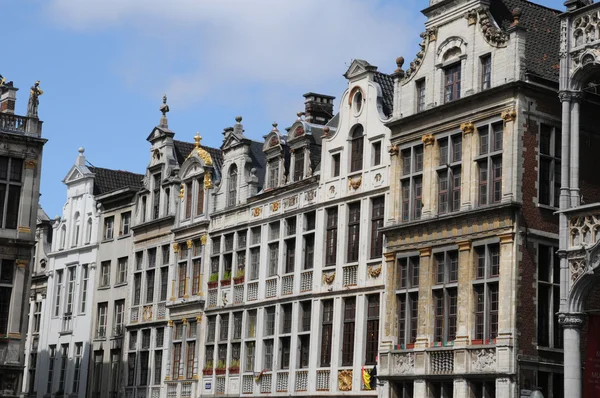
[(345, 380), (328, 278), (30, 164), (484, 359), (571, 321), (176, 247), (577, 268), (21, 263), (199, 318), (256, 211), (393, 151), (24, 229), (190, 244), (403, 363), (208, 184), (492, 34), (425, 252), (275, 206), (182, 191), (203, 239), (464, 245), (170, 323), (389, 256), (471, 17), (354, 183), (467, 128), (426, 37), (509, 116), (374, 271), (184, 321), (506, 238), (428, 139), (147, 313), (432, 34)]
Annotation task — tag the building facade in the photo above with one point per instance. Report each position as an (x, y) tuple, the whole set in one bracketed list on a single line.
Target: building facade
[(20, 172)]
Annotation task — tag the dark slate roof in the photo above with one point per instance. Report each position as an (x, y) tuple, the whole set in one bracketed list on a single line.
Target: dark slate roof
[(108, 180), (259, 161), (542, 37), (387, 89), (183, 150)]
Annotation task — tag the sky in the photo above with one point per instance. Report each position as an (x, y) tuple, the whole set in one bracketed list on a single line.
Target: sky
[(104, 66)]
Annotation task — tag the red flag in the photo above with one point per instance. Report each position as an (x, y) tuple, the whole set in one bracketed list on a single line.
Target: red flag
[(591, 379)]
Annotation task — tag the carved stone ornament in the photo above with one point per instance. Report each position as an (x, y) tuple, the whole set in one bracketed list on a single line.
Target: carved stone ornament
[(393, 151), (374, 271), (574, 321), (403, 363), (471, 17), (378, 177), (176, 247), (509, 116), (256, 211), (190, 244), (299, 132), (207, 181), (428, 139), (182, 191), (485, 359), (467, 128), (184, 321), (170, 323), (329, 278), (203, 239), (414, 66), (310, 195), (332, 190), (585, 230), (275, 206), (274, 141), (354, 183), (345, 380), (30, 163), (21, 263), (432, 34), (147, 313), (577, 268), (291, 201), (199, 318), (492, 34)]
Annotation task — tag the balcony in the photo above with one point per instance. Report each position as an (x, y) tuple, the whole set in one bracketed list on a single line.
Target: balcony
[(306, 281), (67, 323), (19, 124), (118, 331), (101, 332)]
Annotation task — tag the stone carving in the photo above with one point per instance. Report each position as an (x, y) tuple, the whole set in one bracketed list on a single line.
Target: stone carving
[(176, 247), (393, 151), (345, 380), (273, 141), (399, 63), (190, 244), (30, 163), (403, 363), (203, 239), (207, 181), (585, 28), (492, 34), (275, 206), (182, 191), (354, 183), (332, 190), (471, 17), (291, 201), (563, 38), (428, 139), (34, 101), (256, 211), (485, 359), (577, 268), (584, 229), (570, 320), (509, 116), (432, 34), (199, 318), (416, 63), (329, 278), (147, 313), (310, 195), (374, 271), (378, 177), (467, 128)]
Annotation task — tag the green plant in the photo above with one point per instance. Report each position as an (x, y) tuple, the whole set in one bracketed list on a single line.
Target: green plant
[(209, 365), (240, 273), (214, 277), (221, 365), (226, 276), (235, 363)]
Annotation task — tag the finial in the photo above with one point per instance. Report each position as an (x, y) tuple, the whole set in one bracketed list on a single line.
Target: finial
[(164, 108), (164, 98), (197, 139), (81, 150), (516, 16), (238, 119), (274, 125)]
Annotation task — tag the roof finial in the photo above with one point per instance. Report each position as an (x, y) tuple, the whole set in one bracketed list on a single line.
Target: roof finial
[(164, 108), (238, 119), (197, 139), (274, 126)]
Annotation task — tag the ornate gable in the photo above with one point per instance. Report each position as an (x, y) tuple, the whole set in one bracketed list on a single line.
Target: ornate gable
[(359, 67)]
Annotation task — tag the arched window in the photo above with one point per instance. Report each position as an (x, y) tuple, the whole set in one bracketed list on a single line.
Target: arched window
[(63, 236), (232, 186), (356, 150), (76, 230), (88, 231)]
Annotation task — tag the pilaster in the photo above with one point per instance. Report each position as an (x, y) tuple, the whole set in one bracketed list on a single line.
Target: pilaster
[(390, 321), (461, 388), (467, 166), (169, 331), (505, 291), (465, 276), (184, 348), (425, 314), (509, 117), (572, 324), (394, 198), (574, 175), (428, 186)]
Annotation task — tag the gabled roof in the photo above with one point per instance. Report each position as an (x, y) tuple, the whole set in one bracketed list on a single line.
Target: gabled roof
[(542, 37), (387, 91), (108, 180), (183, 150)]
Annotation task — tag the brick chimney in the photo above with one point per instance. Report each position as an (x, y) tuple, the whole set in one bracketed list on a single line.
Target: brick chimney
[(8, 98), (318, 108)]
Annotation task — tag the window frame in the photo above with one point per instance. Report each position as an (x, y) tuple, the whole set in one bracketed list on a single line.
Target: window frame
[(411, 183), (486, 287), (551, 157), (11, 185), (452, 87), (357, 139), (407, 296), (489, 161), (486, 71)]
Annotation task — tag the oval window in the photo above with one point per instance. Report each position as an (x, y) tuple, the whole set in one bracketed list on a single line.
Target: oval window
[(357, 101)]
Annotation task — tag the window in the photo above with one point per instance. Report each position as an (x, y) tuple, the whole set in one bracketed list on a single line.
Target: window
[(550, 173), (420, 95), (489, 163), (269, 321), (156, 196), (309, 251), (232, 186), (167, 201), (549, 331), (6, 281), (105, 273), (286, 326), (452, 83), (304, 350), (326, 332), (101, 325), (251, 332), (160, 337), (182, 279), (485, 288), (335, 168), (237, 325), (58, 295), (125, 223), (149, 286), (85, 274), (408, 300), (348, 333), (109, 227), (164, 280), (485, 389), (32, 368), (372, 329), (188, 200), (88, 231), (290, 255), (353, 232), (191, 356), (376, 153), (254, 263), (274, 230), (144, 208), (377, 211), (137, 288), (70, 290), (224, 327), (412, 183), (177, 368), (152, 257), (199, 197), (268, 354), (122, 270), (284, 349), (486, 72), (76, 229), (273, 258), (445, 295), (441, 389), (212, 327), (77, 373), (273, 174), (404, 389), (356, 149), (550, 384), (306, 307), (449, 173), (63, 236), (298, 164), (115, 372), (64, 357), (249, 357), (331, 236), (119, 318), (37, 316), (196, 276), (11, 173), (158, 354), (144, 359), (166, 250), (51, 360), (139, 260), (131, 357)]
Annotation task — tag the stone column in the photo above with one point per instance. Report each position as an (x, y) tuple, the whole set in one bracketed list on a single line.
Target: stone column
[(188, 270), (174, 274), (14, 320), (394, 198), (429, 186), (425, 314), (461, 388), (27, 216), (183, 359), (169, 349), (465, 276), (199, 340), (564, 198), (574, 175), (390, 310), (420, 388), (505, 292), (466, 199), (508, 181), (572, 324), (505, 388)]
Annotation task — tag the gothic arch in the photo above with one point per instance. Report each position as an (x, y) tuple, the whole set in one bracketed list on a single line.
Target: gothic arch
[(586, 275)]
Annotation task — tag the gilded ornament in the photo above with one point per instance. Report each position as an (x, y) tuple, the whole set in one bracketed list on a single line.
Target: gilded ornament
[(199, 318), (509, 116), (182, 191), (432, 34), (354, 183), (328, 279), (189, 243), (467, 128), (207, 181), (428, 139), (201, 152), (30, 163), (170, 323), (374, 271), (345, 380), (24, 229), (184, 321), (21, 263), (147, 314), (176, 247), (393, 150), (471, 17), (274, 206), (203, 239), (256, 211)]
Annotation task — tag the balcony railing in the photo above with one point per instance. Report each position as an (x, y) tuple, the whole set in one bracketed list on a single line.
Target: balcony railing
[(67, 323), (118, 331), (282, 382), (19, 124), (101, 332)]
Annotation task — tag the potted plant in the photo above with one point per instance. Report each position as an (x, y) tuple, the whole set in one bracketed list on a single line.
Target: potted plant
[(226, 281), (208, 368), (239, 276), (235, 366), (221, 369), (213, 281)]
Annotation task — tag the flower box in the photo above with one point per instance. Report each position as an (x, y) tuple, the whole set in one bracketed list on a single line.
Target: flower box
[(207, 372), (221, 371), (239, 280), (225, 282), (213, 285), (234, 370)]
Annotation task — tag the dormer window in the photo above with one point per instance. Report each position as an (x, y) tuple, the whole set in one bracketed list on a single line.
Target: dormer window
[(232, 186), (420, 95), (200, 197), (273, 174), (356, 150), (299, 165), (76, 229), (144, 208), (357, 102), (452, 83), (156, 196), (188, 200), (486, 72)]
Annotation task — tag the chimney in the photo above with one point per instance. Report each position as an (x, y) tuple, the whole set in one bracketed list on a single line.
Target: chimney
[(8, 98), (318, 108)]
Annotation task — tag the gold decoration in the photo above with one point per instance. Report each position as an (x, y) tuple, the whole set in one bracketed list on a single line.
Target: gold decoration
[(201, 152), (203, 239), (509, 116), (147, 314), (199, 318), (428, 139), (182, 191), (256, 211), (170, 323), (467, 128), (176, 247), (393, 150), (345, 380), (275, 206), (24, 229), (36, 90), (464, 245), (374, 271), (354, 183), (207, 181), (30, 163), (328, 279), (471, 17), (21, 263), (184, 321), (190, 244)]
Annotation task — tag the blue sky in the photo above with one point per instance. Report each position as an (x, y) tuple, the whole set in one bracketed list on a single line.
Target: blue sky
[(105, 64)]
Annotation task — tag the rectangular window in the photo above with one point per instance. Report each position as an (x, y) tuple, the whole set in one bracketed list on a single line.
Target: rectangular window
[(32, 369), (182, 279), (285, 348), (70, 290), (212, 328), (125, 223), (156, 196), (254, 263), (485, 289), (331, 236), (64, 358), (191, 356), (486, 72), (412, 183), (144, 359), (377, 211), (139, 260), (119, 318), (268, 354), (326, 332), (122, 270), (188, 200), (372, 329), (250, 356), (105, 273), (304, 341), (449, 173), (550, 172), (131, 357), (452, 83), (274, 174), (549, 331), (356, 149), (152, 257), (335, 168), (196, 276), (489, 163), (176, 361), (224, 327), (101, 325), (309, 251), (160, 337), (290, 255), (298, 165), (269, 321), (158, 354), (353, 232), (376, 156), (306, 307), (115, 373), (11, 172), (200, 197), (51, 360), (58, 290), (273, 258), (286, 326), (408, 300), (37, 316), (251, 332), (109, 228), (137, 288), (166, 251), (84, 287), (237, 325), (348, 333), (164, 281), (97, 386), (420, 95), (149, 286)]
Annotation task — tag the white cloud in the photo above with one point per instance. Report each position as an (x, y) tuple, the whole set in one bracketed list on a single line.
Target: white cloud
[(231, 46)]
